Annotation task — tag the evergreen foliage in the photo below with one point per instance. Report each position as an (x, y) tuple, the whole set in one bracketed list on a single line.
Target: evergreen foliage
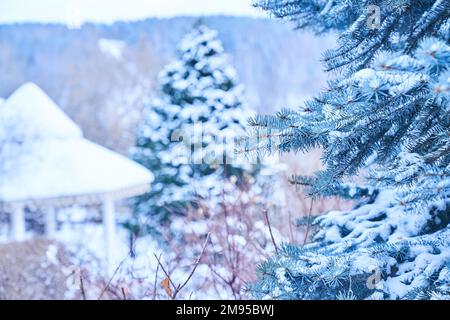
[(188, 136), (384, 117)]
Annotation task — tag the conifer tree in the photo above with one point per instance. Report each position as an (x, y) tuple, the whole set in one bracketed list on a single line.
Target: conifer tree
[(188, 137), (384, 119)]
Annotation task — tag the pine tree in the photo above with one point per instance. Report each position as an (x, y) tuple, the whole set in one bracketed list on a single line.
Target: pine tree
[(188, 137), (384, 119)]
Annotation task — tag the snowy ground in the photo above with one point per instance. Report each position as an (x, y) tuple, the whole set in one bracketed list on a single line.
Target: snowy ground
[(81, 233)]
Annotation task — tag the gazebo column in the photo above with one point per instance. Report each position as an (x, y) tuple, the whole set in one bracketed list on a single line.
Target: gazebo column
[(109, 226), (18, 222), (50, 222)]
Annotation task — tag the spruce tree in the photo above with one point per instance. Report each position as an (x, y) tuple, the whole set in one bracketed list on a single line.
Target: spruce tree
[(188, 136), (383, 120)]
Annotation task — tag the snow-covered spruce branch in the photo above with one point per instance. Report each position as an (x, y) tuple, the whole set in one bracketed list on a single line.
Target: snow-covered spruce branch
[(385, 114)]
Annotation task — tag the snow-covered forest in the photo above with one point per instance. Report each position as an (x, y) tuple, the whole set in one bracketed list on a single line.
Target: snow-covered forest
[(301, 154)]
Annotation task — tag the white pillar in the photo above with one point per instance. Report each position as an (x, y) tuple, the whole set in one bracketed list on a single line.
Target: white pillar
[(109, 226), (50, 222), (18, 222)]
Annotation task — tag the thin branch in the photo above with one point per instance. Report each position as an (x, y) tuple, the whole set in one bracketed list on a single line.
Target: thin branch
[(179, 288), (113, 275), (83, 291), (266, 215), (164, 270), (227, 227), (229, 283), (308, 226), (124, 294), (291, 233), (156, 278), (260, 250)]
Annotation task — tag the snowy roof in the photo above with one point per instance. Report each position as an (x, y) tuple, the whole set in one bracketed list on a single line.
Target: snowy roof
[(44, 157), (39, 116)]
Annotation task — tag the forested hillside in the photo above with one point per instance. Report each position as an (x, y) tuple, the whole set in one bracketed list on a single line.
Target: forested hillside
[(112, 67)]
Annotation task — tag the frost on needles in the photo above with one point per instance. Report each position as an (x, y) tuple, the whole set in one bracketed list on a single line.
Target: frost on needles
[(384, 118)]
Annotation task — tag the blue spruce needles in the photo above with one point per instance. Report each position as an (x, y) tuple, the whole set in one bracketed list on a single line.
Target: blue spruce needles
[(385, 117)]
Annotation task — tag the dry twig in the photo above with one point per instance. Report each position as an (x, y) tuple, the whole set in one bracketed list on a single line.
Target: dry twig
[(156, 278), (82, 289), (308, 226), (266, 215), (113, 275), (178, 288)]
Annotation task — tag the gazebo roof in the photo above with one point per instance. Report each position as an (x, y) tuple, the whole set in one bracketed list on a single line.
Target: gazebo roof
[(29, 114), (45, 160)]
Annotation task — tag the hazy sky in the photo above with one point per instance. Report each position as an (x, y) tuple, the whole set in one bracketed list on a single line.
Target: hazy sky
[(75, 12)]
